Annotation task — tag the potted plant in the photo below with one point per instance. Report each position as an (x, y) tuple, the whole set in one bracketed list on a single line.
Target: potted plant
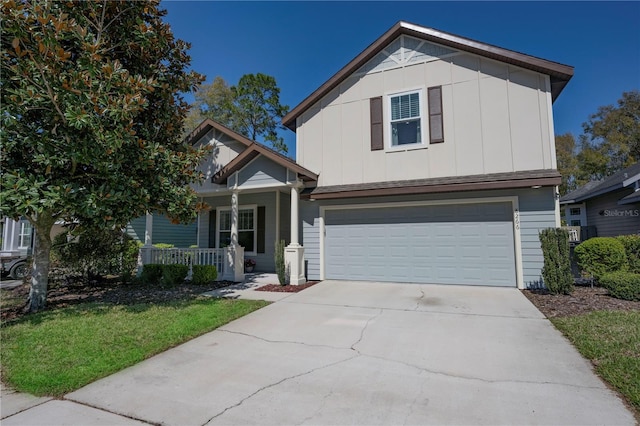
[(249, 264)]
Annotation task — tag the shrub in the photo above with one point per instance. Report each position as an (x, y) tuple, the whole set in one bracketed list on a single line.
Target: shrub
[(601, 255), (556, 271), (281, 268), (631, 245), (204, 274), (622, 285), (174, 274), (163, 245), (151, 273), (96, 252)]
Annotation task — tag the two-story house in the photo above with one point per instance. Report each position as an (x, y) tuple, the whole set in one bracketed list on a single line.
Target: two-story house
[(428, 158)]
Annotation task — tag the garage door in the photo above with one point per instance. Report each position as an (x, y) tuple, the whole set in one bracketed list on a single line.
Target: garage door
[(441, 244)]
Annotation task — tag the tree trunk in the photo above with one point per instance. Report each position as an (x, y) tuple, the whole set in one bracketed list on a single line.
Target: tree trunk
[(40, 269)]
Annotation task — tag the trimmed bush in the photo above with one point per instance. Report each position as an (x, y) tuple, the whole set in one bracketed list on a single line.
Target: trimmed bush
[(163, 245), (556, 271), (204, 274), (622, 285), (174, 274), (281, 269), (151, 273), (631, 245), (601, 255)]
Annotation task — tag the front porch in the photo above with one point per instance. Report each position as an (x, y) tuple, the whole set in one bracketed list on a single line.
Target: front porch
[(247, 187), (239, 224)]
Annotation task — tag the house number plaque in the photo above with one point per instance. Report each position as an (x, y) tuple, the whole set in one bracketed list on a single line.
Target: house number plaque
[(516, 218)]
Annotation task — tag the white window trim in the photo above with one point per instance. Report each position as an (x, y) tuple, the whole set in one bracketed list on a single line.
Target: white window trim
[(389, 147), (253, 207), (22, 235)]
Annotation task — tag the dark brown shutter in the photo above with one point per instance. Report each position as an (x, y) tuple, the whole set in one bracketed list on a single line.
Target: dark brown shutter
[(377, 141), (261, 228), (436, 126), (212, 228)]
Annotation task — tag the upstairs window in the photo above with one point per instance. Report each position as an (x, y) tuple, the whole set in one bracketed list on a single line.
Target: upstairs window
[(574, 211), (406, 123)]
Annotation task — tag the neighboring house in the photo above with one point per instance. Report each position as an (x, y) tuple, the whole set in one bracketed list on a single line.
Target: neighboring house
[(428, 158), (17, 237), (608, 207), (17, 244)]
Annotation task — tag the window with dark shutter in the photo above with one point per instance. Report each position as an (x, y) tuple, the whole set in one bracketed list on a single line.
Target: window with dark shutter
[(377, 141), (436, 127)]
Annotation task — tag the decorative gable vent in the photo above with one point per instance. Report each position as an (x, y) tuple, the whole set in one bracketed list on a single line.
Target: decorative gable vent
[(404, 51)]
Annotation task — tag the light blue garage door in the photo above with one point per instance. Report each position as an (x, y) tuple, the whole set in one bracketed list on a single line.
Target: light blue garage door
[(440, 244)]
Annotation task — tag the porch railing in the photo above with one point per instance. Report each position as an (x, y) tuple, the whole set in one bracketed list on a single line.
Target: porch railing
[(185, 256)]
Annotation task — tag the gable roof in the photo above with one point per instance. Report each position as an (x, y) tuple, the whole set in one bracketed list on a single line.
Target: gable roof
[(208, 124), (620, 179), (252, 150), (560, 74)]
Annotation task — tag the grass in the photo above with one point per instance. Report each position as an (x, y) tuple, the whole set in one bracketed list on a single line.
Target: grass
[(56, 352), (611, 340)]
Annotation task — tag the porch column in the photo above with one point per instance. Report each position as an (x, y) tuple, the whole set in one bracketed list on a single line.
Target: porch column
[(144, 255), (294, 252), (148, 230), (235, 253)]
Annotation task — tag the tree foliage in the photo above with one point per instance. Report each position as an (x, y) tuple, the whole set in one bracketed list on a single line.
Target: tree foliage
[(91, 118), (251, 108), (610, 142), (567, 162)]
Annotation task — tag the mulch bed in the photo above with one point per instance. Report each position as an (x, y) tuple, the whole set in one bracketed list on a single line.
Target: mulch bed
[(64, 292), (286, 288), (583, 300), (61, 295)]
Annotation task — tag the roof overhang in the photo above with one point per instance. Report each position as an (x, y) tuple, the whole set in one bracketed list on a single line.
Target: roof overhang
[(632, 198), (510, 180), (208, 124), (559, 74)]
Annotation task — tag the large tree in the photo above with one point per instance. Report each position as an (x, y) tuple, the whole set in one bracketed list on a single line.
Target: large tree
[(610, 141), (612, 137), (565, 153), (251, 108), (91, 118)]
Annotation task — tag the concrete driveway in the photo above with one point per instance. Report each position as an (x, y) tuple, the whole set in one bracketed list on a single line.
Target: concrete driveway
[(360, 353)]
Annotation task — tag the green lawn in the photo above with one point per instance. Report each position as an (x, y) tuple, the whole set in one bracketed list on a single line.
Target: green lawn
[(56, 352), (611, 340)]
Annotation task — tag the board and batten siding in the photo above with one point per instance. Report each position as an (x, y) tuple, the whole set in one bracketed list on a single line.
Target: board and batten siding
[(223, 150), (496, 117), (164, 231), (616, 219), (536, 212), (261, 172)]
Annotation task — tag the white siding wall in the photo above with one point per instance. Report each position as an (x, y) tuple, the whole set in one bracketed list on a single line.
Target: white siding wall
[(223, 150), (496, 119)]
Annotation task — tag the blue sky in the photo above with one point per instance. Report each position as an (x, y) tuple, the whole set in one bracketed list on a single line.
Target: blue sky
[(302, 44)]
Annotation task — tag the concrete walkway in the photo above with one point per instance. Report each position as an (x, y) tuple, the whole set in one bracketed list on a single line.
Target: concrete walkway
[(358, 353)]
